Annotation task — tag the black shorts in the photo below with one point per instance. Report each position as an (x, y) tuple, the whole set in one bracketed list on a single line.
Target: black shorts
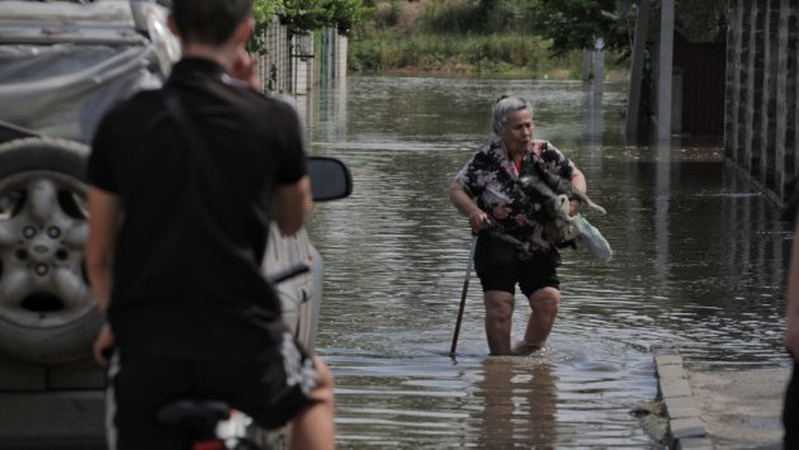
[(499, 267), (270, 392)]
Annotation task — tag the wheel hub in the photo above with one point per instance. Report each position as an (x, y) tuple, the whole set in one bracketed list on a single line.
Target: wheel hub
[(43, 230)]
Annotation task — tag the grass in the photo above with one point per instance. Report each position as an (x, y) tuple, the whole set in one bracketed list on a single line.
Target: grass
[(450, 38), (497, 54)]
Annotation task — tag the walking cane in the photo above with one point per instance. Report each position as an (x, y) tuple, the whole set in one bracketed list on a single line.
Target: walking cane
[(463, 298)]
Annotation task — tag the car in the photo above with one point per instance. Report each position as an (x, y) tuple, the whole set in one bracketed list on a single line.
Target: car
[(62, 65)]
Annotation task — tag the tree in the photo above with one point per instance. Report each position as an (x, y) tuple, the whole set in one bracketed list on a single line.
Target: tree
[(304, 16), (576, 24)]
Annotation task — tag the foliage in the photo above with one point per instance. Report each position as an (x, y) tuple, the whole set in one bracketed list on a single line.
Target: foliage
[(264, 12), (304, 16), (475, 17), (496, 37), (388, 17), (702, 20), (576, 24), (497, 54)]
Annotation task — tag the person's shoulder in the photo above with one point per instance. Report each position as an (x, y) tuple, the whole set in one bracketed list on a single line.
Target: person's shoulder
[(491, 146), (131, 110), (279, 101), (140, 100), (271, 104)]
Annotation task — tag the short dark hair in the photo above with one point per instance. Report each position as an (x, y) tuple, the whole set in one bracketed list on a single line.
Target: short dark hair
[(209, 21)]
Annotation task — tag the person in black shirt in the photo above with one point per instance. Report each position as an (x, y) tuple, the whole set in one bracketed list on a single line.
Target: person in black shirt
[(790, 410), (177, 236)]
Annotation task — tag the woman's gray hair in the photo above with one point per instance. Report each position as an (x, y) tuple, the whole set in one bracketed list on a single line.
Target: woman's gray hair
[(504, 105)]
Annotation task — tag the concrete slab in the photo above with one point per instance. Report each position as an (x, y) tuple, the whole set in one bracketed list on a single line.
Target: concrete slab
[(721, 409), (695, 444), (668, 358), (680, 407), (675, 388), (671, 372), (688, 427)]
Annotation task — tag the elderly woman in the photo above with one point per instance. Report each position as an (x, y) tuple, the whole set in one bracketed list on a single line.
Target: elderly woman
[(486, 190)]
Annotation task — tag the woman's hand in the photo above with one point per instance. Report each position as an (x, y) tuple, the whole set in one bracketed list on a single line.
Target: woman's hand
[(478, 220)]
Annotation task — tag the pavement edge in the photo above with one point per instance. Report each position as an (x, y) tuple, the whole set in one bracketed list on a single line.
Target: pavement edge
[(686, 429)]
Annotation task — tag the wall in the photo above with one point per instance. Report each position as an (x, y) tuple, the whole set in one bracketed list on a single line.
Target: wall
[(760, 129)]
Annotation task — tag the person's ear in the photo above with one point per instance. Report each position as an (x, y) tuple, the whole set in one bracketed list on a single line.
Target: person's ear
[(170, 23)]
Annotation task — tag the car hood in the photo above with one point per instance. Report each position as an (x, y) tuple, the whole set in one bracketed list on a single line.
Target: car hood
[(63, 64)]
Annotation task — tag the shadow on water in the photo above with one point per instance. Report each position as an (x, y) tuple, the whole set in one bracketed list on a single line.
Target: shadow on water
[(699, 261)]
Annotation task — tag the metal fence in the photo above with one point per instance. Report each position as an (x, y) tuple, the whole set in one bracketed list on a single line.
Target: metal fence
[(295, 64)]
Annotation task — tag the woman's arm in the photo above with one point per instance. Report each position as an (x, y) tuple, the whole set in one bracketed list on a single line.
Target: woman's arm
[(579, 183), (466, 206)]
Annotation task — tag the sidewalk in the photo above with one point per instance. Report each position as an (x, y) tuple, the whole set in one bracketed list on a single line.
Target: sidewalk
[(721, 409)]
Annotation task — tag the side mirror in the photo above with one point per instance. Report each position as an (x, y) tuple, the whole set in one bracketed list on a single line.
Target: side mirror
[(330, 178)]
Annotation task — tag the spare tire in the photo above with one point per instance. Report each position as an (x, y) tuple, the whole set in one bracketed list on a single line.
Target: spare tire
[(47, 312)]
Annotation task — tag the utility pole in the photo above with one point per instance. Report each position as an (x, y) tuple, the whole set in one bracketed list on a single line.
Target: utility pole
[(665, 69), (637, 69)]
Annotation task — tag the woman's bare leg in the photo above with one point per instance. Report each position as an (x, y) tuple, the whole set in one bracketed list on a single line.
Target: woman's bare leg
[(499, 312), (544, 303)]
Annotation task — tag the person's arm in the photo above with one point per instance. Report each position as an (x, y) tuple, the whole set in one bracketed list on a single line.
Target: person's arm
[(104, 210), (293, 202), (466, 206), (579, 183), (104, 213), (792, 304)]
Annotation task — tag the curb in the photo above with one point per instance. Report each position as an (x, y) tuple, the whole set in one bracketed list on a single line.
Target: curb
[(685, 427)]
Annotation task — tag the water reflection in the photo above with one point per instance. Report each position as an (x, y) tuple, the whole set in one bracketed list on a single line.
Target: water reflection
[(520, 403), (593, 114), (699, 263)]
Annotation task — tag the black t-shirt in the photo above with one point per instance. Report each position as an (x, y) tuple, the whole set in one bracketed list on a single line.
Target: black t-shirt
[(791, 201), (186, 278)]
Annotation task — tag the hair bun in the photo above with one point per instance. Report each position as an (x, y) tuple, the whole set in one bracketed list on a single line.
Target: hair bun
[(502, 97)]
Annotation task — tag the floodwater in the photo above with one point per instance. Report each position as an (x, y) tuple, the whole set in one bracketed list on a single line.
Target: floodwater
[(699, 265)]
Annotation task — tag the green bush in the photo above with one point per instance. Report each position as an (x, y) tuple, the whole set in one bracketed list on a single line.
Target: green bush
[(495, 54), (481, 37), (475, 16)]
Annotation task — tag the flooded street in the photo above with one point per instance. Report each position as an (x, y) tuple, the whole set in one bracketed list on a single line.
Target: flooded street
[(699, 265)]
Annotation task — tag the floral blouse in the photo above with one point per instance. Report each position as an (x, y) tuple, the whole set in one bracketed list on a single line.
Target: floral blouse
[(492, 177)]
